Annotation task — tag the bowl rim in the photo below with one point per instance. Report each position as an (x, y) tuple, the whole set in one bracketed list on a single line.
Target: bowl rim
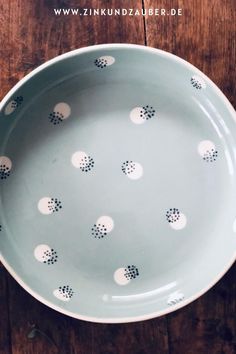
[(222, 97)]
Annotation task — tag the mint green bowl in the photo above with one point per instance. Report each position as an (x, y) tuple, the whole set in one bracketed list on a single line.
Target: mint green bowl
[(117, 183)]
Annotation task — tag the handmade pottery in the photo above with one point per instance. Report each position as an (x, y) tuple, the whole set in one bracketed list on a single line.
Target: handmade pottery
[(117, 183)]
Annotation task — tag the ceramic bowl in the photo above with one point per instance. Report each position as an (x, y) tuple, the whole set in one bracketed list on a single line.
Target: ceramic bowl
[(117, 183)]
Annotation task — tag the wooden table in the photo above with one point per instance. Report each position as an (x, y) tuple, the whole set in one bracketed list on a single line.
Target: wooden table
[(205, 35)]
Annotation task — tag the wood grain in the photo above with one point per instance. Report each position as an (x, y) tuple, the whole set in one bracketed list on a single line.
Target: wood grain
[(60, 334), (25, 315), (5, 330), (32, 33), (204, 35), (4, 47), (209, 324)]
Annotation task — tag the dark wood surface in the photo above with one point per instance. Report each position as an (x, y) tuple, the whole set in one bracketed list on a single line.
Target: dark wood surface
[(205, 35)]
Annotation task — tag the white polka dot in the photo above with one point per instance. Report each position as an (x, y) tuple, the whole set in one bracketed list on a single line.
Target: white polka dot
[(58, 294), (120, 278), (180, 223), (137, 172), (63, 108), (204, 146), (140, 115), (109, 59), (135, 115), (107, 221), (43, 206), (40, 251), (10, 108), (4, 160), (77, 158)]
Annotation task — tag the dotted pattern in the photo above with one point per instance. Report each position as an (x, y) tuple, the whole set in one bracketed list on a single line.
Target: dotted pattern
[(86, 164), (147, 112), (172, 215), (16, 102), (54, 205), (128, 167), (55, 117), (99, 231), (196, 83), (131, 272), (4, 171), (66, 291), (101, 63), (50, 257), (210, 155)]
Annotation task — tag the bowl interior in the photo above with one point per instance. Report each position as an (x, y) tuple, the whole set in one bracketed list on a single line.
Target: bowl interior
[(117, 184)]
